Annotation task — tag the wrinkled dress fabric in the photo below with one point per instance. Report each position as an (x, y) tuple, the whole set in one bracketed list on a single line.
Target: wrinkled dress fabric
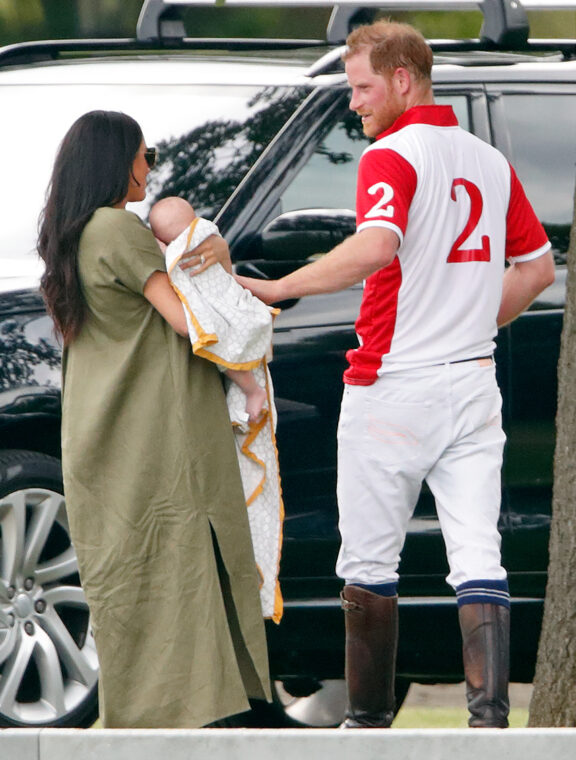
[(155, 502)]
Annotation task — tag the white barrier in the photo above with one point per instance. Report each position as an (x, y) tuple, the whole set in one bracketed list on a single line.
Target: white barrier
[(295, 744)]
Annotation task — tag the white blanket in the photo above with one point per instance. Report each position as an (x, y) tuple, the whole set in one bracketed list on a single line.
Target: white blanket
[(229, 326)]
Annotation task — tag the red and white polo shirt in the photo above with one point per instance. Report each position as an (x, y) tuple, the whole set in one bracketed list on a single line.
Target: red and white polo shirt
[(459, 211)]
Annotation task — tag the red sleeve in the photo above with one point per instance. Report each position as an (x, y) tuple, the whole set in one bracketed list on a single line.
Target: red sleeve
[(524, 233), (386, 186)]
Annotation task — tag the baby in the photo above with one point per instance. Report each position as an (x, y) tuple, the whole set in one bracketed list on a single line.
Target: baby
[(169, 218)]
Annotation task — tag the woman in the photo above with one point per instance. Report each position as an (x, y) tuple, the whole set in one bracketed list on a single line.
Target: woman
[(154, 497)]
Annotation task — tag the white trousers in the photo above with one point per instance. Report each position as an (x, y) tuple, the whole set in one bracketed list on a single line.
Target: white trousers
[(441, 425)]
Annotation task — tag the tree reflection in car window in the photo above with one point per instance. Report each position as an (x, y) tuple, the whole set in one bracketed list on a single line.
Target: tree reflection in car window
[(206, 164), (328, 179), (27, 358), (211, 135)]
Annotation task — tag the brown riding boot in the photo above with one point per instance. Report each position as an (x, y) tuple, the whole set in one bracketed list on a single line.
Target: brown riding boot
[(371, 642), (485, 636)]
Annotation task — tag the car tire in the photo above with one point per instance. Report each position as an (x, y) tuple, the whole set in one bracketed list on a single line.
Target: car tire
[(324, 707), (48, 662)]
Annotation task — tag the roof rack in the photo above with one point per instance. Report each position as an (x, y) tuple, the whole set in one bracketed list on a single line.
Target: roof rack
[(24, 53), (160, 27), (331, 62), (505, 21)]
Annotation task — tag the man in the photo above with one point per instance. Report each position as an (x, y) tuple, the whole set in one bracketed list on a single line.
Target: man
[(438, 212)]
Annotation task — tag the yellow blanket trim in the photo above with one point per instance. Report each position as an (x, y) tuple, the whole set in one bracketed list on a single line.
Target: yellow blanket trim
[(278, 604), (223, 362), (278, 600), (255, 429), (209, 339), (276, 616), (260, 576), (204, 338), (190, 233)]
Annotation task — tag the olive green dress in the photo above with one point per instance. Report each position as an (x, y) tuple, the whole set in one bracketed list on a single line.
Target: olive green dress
[(155, 501)]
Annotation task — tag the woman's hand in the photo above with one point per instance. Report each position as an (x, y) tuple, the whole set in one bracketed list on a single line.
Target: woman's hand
[(214, 250)]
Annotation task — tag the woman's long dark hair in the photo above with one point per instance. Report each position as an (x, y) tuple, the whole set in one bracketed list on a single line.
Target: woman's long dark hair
[(92, 169)]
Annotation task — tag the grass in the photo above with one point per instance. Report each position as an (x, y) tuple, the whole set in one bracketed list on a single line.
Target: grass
[(448, 717), (444, 706), (438, 717)]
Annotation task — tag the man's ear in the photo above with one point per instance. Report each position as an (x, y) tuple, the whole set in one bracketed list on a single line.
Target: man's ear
[(402, 80)]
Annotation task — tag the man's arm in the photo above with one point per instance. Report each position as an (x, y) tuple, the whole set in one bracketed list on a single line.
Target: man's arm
[(523, 281), (350, 262)]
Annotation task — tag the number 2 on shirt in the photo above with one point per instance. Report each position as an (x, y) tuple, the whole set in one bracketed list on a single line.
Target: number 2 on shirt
[(383, 207), (459, 255)]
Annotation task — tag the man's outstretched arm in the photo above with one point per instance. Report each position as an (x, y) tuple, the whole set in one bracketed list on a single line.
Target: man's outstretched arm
[(352, 261)]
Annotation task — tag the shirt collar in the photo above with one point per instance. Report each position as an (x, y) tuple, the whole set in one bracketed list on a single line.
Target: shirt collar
[(436, 116)]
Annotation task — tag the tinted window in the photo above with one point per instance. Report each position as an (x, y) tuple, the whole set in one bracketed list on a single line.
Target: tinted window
[(328, 179), (542, 134), (208, 138)]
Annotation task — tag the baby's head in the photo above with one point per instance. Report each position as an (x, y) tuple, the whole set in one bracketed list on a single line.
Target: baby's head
[(169, 217)]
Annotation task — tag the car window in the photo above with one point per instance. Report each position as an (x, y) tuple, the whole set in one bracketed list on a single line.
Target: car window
[(208, 137), (542, 137), (328, 179)]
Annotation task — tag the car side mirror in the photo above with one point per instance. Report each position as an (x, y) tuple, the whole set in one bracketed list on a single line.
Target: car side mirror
[(298, 235)]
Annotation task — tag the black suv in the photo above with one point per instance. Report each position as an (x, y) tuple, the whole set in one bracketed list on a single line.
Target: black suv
[(259, 137)]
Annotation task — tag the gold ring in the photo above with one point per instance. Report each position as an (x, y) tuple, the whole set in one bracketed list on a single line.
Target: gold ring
[(202, 259)]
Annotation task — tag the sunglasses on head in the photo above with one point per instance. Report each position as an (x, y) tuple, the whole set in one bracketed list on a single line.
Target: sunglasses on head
[(151, 156)]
